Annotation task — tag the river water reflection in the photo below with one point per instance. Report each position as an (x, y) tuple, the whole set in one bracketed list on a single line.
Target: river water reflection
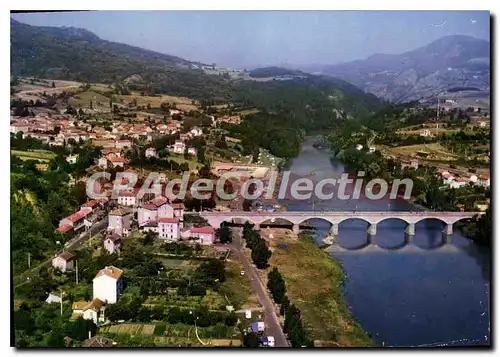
[(405, 297)]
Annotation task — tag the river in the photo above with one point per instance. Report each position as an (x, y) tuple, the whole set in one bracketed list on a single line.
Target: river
[(415, 298)]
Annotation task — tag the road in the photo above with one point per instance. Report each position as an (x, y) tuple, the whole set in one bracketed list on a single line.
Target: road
[(72, 243), (273, 327)]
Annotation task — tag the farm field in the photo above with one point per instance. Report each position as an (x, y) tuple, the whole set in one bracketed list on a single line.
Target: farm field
[(182, 103), (82, 100), (166, 334), (435, 150), (40, 155)]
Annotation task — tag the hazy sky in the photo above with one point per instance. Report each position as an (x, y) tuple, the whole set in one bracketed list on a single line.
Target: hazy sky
[(254, 38)]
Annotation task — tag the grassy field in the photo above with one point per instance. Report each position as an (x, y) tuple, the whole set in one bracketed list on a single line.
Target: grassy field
[(237, 288), (182, 103), (193, 164), (82, 100), (166, 334), (435, 150), (40, 155), (314, 283)]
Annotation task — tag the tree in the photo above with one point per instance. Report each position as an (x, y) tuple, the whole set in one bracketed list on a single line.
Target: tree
[(53, 85), (250, 340), (80, 329), (276, 285), (144, 314), (261, 254), (225, 234), (149, 238)]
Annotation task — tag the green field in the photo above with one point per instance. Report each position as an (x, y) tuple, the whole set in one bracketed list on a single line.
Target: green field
[(40, 155), (314, 283), (82, 100)]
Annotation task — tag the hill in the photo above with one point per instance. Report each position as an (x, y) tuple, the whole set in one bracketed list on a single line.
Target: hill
[(449, 62), (274, 72), (77, 54)]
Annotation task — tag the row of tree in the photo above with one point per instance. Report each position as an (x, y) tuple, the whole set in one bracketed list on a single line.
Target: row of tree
[(293, 326), (258, 246)]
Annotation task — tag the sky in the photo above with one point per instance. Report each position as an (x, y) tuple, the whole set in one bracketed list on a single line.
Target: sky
[(246, 39)]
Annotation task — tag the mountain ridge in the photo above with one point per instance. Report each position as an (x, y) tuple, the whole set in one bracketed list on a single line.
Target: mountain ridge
[(450, 61)]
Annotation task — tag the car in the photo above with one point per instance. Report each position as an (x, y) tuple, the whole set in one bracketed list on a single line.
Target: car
[(242, 272)]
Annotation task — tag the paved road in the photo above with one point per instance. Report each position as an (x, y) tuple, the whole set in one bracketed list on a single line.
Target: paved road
[(273, 327), (72, 243)]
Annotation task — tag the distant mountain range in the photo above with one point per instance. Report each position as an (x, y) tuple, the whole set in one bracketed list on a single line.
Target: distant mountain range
[(447, 63), (78, 54)]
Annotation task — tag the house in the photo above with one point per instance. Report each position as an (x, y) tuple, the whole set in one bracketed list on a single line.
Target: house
[(113, 244), (473, 178), (205, 235), (413, 164), (359, 147), (169, 228), (98, 341), (72, 159), (257, 327), (178, 211), (89, 310), (63, 261), (425, 133), (192, 151), (371, 149), (185, 136), (121, 144), (459, 182), (196, 131), (483, 180), (118, 161), (108, 285), (53, 298), (151, 152), (112, 152), (179, 147), (127, 198), (153, 210), (119, 222), (103, 162), (19, 127)]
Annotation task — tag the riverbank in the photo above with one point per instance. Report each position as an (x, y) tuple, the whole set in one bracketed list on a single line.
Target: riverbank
[(315, 284)]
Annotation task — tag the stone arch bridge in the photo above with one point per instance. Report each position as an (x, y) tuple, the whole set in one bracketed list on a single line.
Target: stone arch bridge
[(297, 218)]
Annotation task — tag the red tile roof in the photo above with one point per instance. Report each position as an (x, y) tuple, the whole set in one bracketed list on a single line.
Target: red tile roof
[(149, 206), (110, 271), (66, 256), (159, 201), (126, 194), (178, 205), (206, 230), (169, 220), (64, 228)]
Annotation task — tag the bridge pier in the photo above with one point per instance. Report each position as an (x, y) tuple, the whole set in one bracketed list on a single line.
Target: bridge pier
[(256, 227), (448, 230), (372, 229), (334, 229), (296, 229), (410, 229)]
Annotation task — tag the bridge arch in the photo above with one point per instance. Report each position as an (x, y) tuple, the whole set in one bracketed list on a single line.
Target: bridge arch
[(316, 217), (402, 219), (272, 220), (360, 218)]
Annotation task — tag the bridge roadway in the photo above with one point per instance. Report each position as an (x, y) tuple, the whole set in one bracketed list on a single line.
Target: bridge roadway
[(296, 218)]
